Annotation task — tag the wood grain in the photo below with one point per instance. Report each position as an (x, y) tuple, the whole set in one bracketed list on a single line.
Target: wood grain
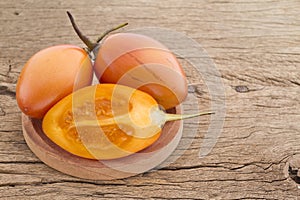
[(256, 47)]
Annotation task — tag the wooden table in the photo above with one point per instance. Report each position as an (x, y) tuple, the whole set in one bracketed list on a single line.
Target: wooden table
[(256, 48)]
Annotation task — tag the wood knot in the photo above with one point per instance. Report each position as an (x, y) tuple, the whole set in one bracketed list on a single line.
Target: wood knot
[(7, 89), (292, 168), (2, 112), (3, 88), (195, 89), (241, 88)]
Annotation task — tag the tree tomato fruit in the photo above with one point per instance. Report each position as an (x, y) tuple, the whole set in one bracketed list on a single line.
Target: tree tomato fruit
[(104, 121), (141, 62), (50, 75), (137, 61)]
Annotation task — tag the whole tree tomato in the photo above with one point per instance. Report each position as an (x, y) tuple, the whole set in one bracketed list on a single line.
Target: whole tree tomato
[(50, 75), (138, 61), (141, 62)]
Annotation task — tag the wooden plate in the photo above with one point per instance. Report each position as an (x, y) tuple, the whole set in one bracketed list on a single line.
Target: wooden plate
[(137, 163)]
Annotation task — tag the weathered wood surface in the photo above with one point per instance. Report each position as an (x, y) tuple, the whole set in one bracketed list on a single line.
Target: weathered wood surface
[(256, 47)]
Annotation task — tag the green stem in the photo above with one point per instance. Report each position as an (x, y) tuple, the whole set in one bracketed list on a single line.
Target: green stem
[(173, 117), (111, 30)]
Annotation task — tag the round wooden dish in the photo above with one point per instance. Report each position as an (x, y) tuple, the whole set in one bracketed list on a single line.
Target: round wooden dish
[(137, 163)]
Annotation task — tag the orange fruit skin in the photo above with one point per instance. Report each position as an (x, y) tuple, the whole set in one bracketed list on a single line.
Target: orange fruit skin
[(50, 75), (143, 63)]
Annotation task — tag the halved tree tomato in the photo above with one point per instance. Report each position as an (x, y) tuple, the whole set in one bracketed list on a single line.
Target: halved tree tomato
[(104, 121)]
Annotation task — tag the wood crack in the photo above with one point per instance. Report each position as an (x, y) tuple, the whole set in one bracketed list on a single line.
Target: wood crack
[(44, 182), (222, 165), (21, 162), (171, 168), (295, 83)]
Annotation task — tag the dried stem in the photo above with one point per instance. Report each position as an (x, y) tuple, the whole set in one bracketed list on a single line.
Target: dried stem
[(85, 39)]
